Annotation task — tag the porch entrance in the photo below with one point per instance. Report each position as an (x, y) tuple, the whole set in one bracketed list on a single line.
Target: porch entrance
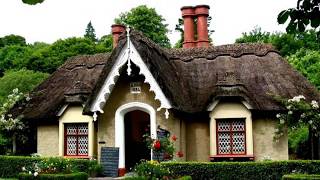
[(136, 123)]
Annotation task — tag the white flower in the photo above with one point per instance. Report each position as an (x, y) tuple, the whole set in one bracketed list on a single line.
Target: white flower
[(289, 107), (314, 104), (35, 173), (30, 172), (281, 121), (289, 112), (310, 121), (278, 115), (23, 168), (303, 115), (15, 90), (296, 98)]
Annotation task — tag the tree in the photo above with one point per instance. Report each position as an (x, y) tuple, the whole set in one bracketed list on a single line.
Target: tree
[(90, 32), (24, 80), (306, 12), (105, 42), (308, 63), (32, 2), (12, 40), (148, 21), (300, 114), (12, 127), (286, 44)]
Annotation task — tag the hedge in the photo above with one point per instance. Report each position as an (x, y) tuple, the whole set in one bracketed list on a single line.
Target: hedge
[(72, 176), (300, 176), (242, 170), (11, 166)]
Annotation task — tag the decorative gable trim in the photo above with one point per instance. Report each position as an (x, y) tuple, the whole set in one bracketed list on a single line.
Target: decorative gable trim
[(129, 54)]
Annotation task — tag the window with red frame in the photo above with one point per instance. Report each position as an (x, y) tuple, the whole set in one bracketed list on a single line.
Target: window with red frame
[(76, 139), (231, 136)]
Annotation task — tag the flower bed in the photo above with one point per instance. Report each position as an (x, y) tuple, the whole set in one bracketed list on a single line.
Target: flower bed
[(71, 176), (11, 166)]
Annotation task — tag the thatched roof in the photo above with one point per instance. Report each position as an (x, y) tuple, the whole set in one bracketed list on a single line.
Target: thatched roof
[(70, 83), (190, 78)]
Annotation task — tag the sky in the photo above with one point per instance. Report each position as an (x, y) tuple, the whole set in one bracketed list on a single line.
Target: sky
[(59, 19)]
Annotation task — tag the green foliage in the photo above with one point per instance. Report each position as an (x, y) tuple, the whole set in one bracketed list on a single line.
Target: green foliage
[(286, 44), (12, 40), (300, 113), (307, 12), (151, 170), (10, 166), (24, 80), (90, 32), (241, 170), (148, 21), (308, 63), (32, 2), (301, 176), (71, 176), (14, 57), (50, 58), (105, 43), (47, 58), (297, 137)]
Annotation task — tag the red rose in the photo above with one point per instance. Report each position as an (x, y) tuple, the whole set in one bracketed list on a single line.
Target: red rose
[(180, 154), (174, 138), (157, 144)]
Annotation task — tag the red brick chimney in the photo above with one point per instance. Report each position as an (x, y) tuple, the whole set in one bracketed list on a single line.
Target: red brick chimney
[(188, 23), (202, 13), (117, 29)]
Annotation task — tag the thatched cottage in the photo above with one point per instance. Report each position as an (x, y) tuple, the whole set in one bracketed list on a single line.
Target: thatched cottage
[(218, 100)]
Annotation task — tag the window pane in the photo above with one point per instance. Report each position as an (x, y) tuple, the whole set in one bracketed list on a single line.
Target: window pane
[(223, 125), (83, 129), (238, 125), (224, 143), (71, 145), (238, 143), (71, 129), (83, 145)]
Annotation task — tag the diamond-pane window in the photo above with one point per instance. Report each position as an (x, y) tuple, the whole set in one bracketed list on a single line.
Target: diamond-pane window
[(76, 139), (231, 139)]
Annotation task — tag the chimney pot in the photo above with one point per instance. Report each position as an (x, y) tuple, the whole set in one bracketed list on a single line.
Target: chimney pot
[(117, 30), (188, 24), (202, 13)]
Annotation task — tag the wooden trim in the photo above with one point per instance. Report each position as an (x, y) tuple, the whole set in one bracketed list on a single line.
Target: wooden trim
[(231, 136), (77, 157), (231, 157), (77, 135)]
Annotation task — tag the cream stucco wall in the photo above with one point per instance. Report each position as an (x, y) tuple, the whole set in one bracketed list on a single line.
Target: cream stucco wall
[(225, 110), (264, 145), (47, 140), (197, 140), (121, 95), (73, 114)]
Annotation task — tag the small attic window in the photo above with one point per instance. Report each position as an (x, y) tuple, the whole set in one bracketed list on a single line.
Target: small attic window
[(135, 87)]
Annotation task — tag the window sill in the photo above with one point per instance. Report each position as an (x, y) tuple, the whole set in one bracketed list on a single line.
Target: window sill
[(232, 158), (77, 157)]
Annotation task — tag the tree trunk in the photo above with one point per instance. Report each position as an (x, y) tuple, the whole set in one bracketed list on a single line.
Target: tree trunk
[(14, 144)]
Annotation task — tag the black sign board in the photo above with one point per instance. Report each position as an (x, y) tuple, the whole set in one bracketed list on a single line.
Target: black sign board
[(109, 161)]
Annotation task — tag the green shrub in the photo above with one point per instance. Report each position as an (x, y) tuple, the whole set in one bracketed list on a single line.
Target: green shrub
[(72, 176), (301, 176), (151, 170), (10, 166), (241, 170)]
